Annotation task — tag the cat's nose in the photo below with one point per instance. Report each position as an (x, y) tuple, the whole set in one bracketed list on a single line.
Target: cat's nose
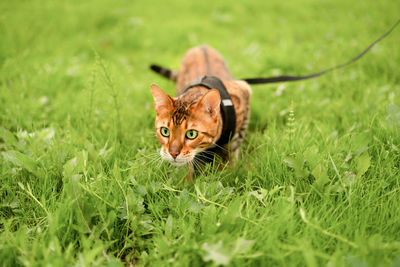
[(174, 153)]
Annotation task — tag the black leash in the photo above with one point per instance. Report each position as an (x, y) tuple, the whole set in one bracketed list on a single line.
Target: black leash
[(289, 78)]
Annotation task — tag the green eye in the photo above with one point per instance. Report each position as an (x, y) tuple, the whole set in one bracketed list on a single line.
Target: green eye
[(164, 131), (191, 134)]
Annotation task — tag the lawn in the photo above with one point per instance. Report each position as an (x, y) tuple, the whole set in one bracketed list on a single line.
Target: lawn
[(318, 180)]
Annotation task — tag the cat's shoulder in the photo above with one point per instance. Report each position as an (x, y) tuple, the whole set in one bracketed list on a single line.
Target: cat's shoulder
[(238, 88)]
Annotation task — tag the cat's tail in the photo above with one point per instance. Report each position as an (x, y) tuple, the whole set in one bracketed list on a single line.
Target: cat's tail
[(167, 73)]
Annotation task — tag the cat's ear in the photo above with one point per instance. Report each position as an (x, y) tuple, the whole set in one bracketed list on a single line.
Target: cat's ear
[(162, 101), (210, 103)]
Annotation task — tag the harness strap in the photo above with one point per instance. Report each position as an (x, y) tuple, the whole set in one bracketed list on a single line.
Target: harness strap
[(227, 108)]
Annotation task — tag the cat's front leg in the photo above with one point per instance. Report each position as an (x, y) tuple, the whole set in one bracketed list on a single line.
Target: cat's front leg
[(234, 157), (234, 147), (189, 176)]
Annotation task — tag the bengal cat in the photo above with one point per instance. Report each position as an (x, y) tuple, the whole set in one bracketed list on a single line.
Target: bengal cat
[(189, 125)]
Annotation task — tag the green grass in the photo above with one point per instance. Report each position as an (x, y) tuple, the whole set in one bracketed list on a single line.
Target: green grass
[(318, 180)]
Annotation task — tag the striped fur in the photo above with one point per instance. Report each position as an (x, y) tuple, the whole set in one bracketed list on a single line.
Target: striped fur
[(191, 110)]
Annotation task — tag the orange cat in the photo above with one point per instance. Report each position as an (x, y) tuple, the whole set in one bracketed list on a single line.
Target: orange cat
[(190, 126)]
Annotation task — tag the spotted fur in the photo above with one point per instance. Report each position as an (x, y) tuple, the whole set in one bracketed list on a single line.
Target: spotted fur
[(198, 109)]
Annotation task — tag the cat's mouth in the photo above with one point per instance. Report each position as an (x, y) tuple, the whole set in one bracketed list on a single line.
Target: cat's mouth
[(178, 161)]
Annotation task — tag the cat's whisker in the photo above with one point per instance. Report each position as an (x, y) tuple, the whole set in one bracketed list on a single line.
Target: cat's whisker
[(152, 157), (199, 160), (145, 152), (159, 163), (154, 160), (196, 164), (223, 148), (209, 152), (193, 162), (210, 155), (205, 158)]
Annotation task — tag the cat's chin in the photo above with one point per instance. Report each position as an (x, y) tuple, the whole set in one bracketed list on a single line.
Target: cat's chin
[(179, 161)]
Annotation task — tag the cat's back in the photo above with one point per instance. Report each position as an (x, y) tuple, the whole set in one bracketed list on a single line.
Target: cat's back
[(200, 61)]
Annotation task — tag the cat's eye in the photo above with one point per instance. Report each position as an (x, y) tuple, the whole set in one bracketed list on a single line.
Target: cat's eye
[(164, 131), (192, 134)]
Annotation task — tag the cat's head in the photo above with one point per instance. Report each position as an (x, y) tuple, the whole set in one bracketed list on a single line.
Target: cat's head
[(186, 125)]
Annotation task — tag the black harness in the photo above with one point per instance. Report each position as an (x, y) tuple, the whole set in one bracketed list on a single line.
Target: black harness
[(227, 108)]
